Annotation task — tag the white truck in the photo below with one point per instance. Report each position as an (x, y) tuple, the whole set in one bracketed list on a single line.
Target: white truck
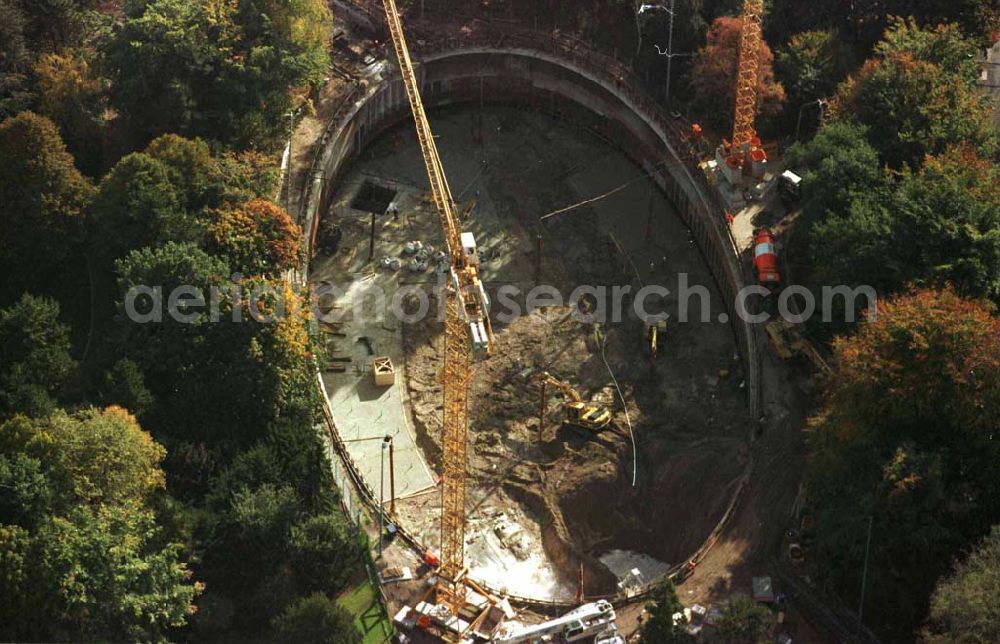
[(589, 623)]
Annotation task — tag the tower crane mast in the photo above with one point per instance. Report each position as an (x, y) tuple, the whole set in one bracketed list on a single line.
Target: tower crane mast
[(747, 74), (467, 332), (743, 153)]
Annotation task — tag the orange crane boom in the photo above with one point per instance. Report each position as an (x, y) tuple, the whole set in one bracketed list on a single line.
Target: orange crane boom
[(467, 330)]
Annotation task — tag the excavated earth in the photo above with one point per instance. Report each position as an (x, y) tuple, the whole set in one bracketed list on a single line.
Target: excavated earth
[(582, 495)]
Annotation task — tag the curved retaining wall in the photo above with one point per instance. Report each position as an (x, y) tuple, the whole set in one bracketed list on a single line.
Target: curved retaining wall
[(562, 76)]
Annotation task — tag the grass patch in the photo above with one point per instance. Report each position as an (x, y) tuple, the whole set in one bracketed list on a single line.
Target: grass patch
[(361, 601)]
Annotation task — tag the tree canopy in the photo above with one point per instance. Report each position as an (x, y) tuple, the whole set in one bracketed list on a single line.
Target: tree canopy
[(660, 625), (917, 97), (82, 556), (258, 238), (965, 606), (810, 66), (34, 356), (42, 199), (316, 620), (216, 70), (905, 438)]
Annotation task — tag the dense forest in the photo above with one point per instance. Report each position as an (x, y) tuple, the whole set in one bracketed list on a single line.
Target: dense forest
[(166, 482), (160, 481)]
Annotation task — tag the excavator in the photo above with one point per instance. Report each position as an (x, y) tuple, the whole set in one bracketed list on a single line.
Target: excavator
[(587, 415), (788, 341)]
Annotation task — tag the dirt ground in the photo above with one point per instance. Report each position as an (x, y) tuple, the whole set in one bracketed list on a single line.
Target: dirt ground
[(573, 490)]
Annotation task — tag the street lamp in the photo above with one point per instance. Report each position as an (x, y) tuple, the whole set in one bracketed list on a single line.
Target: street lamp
[(381, 494), (669, 51)]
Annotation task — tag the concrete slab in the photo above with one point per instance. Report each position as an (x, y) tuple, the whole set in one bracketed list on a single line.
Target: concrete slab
[(365, 327)]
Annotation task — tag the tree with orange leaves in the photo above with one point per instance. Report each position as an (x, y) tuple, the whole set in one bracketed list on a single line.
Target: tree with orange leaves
[(259, 238), (907, 439), (713, 76)]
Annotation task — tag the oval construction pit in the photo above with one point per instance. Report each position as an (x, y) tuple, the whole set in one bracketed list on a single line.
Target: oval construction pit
[(539, 503)]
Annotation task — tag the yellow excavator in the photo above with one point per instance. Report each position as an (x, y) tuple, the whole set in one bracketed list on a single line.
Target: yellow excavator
[(788, 340), (587, 415)]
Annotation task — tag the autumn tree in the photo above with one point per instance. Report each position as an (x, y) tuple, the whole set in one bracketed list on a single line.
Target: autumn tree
[(34, 356), (71, 93), (713, 74), (904, 441), (258, 238), (914, 99), (83, 557), (42, 199)]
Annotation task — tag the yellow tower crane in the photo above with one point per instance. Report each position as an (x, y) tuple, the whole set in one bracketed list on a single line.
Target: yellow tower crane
[(467, 332)]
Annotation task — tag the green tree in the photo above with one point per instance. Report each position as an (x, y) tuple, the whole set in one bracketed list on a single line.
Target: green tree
[(52, 25), (223, 71), (190, 165), (325, 553), (15, 60), (904, 439), (247, 559), (836, 166), (138, 205), (946, 223), (125, 386), (810, 66), (27, 494), (914, 108), (660, 626), (935, 226), (34, 356), (943, 45), (316, 620), (744, 621), (42, 196), (86, 559), (965, 606), (108, 578), (235, 378), (208, 181), (96, 457)]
